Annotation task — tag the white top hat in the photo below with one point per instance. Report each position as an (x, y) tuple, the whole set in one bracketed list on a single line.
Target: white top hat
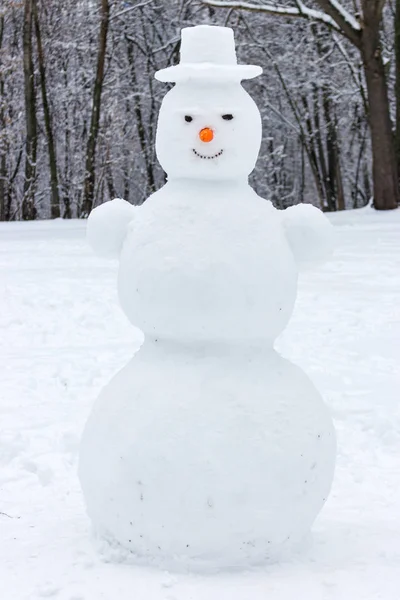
[(208, 53)]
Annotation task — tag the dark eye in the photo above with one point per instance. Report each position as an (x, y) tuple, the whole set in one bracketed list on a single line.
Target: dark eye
[(188, 118), (227, 117)]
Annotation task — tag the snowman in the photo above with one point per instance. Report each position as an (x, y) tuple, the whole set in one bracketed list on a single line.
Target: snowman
[(208, 449)]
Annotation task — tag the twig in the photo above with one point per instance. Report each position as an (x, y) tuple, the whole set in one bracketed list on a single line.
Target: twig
[(9, 516), (127, 10)]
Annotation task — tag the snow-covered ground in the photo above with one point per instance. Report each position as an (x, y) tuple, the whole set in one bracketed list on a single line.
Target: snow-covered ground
[(62, 336)]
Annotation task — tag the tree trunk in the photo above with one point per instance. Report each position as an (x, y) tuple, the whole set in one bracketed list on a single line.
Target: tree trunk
[(329, 197), (397, 84), (88, 188), (28, 203), (334, 182), (3, 158), (109, 176), (66, 191), (386, 189), (3, 148), (55, 198), (146, 152), (126, 176), (312, 154)]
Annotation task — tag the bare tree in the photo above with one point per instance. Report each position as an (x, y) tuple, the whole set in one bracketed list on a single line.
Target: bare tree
[(29, 211), (55, 198), (363, 33), (87, 132), (397, 80), (88, 190), (3, 150)]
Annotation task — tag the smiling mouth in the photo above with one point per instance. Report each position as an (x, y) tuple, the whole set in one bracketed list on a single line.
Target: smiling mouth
[(205, 155)]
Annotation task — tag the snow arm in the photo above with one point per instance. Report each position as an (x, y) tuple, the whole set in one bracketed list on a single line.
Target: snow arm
[(309, 233), (107, 227)]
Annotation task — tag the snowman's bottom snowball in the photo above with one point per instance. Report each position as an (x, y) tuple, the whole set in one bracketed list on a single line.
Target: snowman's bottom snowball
[(215, 460)]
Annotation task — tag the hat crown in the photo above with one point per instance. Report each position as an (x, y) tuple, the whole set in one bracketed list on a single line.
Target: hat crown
[(208, 54), (208, 44)]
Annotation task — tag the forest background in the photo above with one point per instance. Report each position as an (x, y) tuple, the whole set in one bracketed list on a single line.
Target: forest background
[(79, 102)]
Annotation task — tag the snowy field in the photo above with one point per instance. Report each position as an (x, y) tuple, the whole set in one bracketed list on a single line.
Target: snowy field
[(62, 338)]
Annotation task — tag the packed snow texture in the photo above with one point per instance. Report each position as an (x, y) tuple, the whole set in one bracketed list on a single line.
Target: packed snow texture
[(222, 458), (64, 336), (310, 235), (233, 151), (208, 449), (215, 268), (107, 227)]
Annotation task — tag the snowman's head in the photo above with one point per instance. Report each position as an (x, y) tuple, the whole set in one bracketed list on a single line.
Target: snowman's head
[(209, 127), (208, 131)]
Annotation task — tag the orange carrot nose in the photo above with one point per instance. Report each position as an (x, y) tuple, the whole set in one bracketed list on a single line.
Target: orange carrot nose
[(206, 134)]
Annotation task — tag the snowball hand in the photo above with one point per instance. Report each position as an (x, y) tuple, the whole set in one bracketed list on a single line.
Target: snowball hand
[(107, 227), (310, 235)]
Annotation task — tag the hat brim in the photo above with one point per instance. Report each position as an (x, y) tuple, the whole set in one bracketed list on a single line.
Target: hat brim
[(207, 72)]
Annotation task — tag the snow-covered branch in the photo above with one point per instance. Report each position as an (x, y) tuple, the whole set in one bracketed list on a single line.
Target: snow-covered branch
[(348, 25), (354, 73), (130, 9), (283, 11), (333, 14)]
